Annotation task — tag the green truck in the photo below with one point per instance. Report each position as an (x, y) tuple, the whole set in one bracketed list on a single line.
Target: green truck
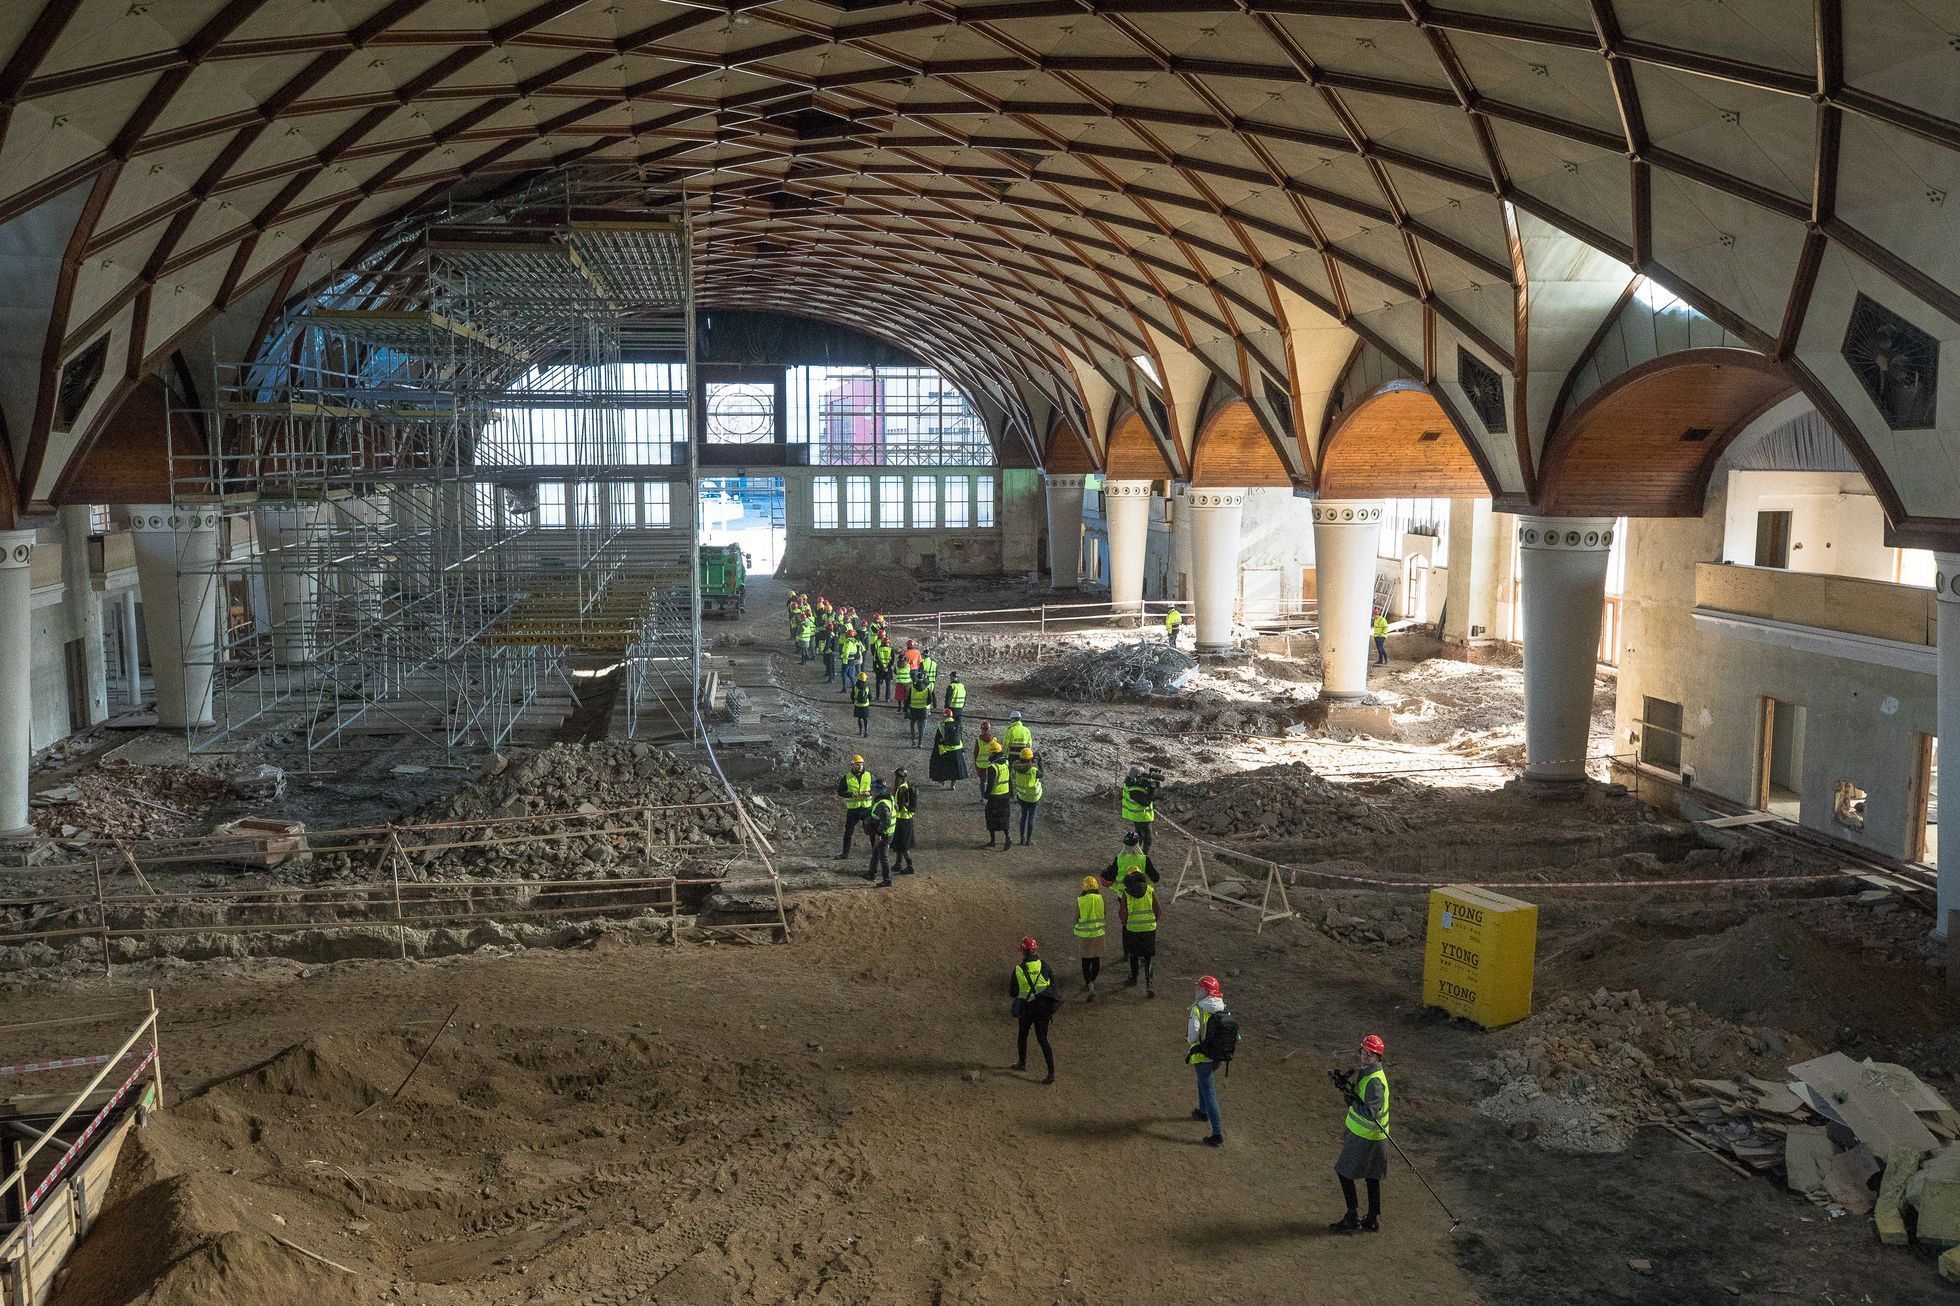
[(724, 579)]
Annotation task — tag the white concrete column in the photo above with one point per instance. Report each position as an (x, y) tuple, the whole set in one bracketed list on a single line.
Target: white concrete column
[(1346, 538), (290, 535), (1065, 531), (16, 679), (1184, 558), (132, 654), (83, 607), (1215, 515), (1126, 505), (1563, 572), (1946, 592), (177, 568)]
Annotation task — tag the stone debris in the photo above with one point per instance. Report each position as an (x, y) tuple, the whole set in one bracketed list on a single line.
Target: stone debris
[(1285, 801), (1132, 671), (121, 800)]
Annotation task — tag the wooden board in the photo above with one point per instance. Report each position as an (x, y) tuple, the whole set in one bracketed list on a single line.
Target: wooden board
[(1876, 1105)]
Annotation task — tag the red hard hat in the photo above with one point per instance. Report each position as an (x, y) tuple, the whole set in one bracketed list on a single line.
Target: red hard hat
[(1029, 945), (1210, 986), (1373, 1043)]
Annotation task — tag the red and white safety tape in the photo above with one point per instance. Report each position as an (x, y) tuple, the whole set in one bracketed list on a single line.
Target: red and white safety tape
[(75, 1148), (60, 1063)]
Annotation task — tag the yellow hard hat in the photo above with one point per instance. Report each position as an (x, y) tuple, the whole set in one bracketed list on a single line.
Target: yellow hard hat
[(1090, 884), (993, 745), (1026, 753), (856, 760), (863, 676)]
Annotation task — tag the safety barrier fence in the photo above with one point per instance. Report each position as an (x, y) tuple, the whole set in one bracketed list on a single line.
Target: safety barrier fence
[(135, 1067), (1045, 619), (396, 889)]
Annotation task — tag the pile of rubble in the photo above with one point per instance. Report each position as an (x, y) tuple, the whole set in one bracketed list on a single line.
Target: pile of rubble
[(965, 652), (1584, 1073), (1107, 675), (868, 589), (121, 800), (1285, 802)]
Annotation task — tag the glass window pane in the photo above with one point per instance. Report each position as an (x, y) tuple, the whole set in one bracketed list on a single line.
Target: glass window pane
[(891, 503), (983, 501), (857, 503), (957, 504), (925, 502), (824, 499), (656, 508), (551, 504)]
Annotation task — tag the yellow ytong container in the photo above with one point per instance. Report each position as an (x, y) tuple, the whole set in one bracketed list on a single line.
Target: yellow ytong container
[(1478, 955)]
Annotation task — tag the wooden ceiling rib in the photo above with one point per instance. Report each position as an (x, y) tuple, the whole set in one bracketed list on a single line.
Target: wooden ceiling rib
[(1067, 451), (1646, 444), (1234, 450), (1006, 185), (1133, 454), (1398, 443)]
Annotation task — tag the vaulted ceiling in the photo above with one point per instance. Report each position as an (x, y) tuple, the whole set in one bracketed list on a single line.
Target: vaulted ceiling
[(1033, 193)]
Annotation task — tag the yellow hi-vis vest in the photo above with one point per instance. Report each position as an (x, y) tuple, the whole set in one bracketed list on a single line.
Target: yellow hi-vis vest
[(1358, 1122), (1031, 979), (1143, 910), (998, 782), (1018, 737), (956, 695), (902, 674), (948, 739), (857, 789), (1127, 862), (926, 672), (1027, 783), (1137, 804), (1173, 619), (1090, 911)]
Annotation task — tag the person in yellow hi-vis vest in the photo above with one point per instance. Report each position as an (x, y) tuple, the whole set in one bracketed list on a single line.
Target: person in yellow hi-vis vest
[(1173, 622), (1364, 1146), (1379, 629), (1090, 914), (1138, 906), (855, 790)]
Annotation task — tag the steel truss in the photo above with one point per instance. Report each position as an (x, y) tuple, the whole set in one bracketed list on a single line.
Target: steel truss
[(441, 488)]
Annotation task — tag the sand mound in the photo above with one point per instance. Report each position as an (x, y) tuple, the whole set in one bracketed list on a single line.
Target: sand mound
[(1287, 801)]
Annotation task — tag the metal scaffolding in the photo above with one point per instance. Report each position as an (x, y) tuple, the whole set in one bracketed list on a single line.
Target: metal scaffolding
[(454, 497)]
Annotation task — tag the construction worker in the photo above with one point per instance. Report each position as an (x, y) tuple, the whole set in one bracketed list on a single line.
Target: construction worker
[(1209, 1001), (1090, 911), (881, 665), (827, 642), (1025, 774), (995, 784), (1380, 630), (855, 790), (901, 680), (852, 651), (1140, 804), (1173, 623), (881, 824), (1364, 1147), (924, 678), (861, 705), (1132, 858), (905, 806), (956, 696), (915, 716), (1035, 1005), (1137, 905), (948, 765), (1018, 736), (806, 634)]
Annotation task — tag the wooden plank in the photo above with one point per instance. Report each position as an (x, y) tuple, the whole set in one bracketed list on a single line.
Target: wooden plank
[(1876, 1105)]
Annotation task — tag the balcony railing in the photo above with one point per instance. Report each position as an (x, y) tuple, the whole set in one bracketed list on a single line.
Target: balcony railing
[(1849, 605)]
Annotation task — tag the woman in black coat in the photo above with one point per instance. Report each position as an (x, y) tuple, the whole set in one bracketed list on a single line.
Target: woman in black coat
[(948, 763)]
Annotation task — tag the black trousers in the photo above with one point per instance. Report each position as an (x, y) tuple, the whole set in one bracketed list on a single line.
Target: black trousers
[(1035, 1016), (1091, 967), (880, 861), (902, 841), (881, 684), (1143, 833), (853, 818), (1374, 1196)]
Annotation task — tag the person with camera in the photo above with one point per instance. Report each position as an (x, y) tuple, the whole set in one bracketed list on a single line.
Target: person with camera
[(1212, 1038), (1140, 801), (1035, 1004), (1364, 1147)]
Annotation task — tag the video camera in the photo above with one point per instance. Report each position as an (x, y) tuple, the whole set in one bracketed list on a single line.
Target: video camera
[(1150, 778)]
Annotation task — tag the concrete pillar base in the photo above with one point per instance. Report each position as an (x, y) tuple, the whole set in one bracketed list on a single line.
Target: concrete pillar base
[(1065, 531), (1215, 515), (176, 567), (1127, 506), (1563, 562), (1345, 541)]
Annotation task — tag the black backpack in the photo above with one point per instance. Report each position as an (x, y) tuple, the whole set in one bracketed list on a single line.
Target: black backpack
[(1221, 1040)]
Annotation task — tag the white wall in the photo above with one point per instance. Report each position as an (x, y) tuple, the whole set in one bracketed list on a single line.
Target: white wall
[(1837, 526)]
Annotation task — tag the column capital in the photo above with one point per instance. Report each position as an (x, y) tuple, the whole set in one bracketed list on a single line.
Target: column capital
[(1946, 577), (16, 549), (1128, 489), (1348, 512), (1566, 534), (145, 518), (1211, 496), (1064, 480)]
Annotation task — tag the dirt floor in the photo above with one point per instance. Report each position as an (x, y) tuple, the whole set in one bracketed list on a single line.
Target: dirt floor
[(832, 1120)]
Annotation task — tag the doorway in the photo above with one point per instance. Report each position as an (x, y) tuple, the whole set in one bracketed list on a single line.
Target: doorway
[(1415, 584), (1926, 795), (1779, 772), (748, 511)]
